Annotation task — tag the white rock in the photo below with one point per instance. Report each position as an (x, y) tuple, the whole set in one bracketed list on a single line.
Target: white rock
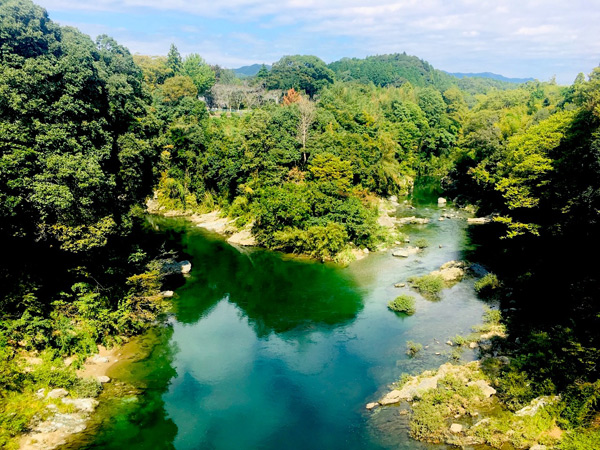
[(485, 388), (441, 201), (40, 393), (535, 405), (366, 251), (186, 266), (478, 220), (58, 393), (473, 345), (82, 404), (99, 359), (372, 405), (167, 294), (538, 447), (103, 379), (456, 428)]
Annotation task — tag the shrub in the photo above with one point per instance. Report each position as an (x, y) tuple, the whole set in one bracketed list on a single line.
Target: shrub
[(429, 286), (86, 387), (487, 285), (403, 304), (580, 403), (514, 389), (427, 422), (412, 348), (581, 440), (459, 340), (421, 243)]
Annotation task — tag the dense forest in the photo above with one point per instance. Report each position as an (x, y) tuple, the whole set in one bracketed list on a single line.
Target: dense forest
[(299, 154)]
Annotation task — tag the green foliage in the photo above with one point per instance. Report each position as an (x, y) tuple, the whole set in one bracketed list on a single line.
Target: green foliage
[(580, 404), (429, 286), (199, 72), (86, 388), (303, 72), (421, 243), (487, 285), (581, 440), (514, 389), (460, 340), (413, 348), (403, 304)]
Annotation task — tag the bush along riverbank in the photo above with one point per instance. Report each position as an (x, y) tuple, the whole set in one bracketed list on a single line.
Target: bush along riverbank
[(381, 229), (490, 402), (52, 369)]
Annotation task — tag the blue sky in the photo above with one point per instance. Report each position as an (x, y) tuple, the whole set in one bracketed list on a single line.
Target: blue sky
[(537, 38)]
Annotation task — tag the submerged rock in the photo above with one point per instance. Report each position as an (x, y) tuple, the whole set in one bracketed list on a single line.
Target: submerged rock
[(412, 220), (400, 253)]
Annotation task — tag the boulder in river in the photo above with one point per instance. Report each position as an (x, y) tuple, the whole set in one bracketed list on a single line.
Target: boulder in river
[(172, 267), (412, 220), (478, 220), (452, 271), (441, 201)]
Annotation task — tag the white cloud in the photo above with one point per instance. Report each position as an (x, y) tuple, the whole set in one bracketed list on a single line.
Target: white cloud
[(526, 37)]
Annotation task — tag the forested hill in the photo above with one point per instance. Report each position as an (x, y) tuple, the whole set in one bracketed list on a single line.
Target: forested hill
[(390, 70), (298, 157)]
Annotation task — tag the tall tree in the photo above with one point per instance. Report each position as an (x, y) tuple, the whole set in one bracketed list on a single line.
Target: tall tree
[(174, 61)]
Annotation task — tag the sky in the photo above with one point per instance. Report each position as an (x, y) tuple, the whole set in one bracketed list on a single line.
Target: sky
[(515, 38)]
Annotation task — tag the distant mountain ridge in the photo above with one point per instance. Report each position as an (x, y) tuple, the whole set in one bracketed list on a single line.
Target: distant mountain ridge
[(493, 76), (249, 71)]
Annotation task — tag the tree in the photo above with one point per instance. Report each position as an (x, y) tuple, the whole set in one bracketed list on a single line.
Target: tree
[(177, 87), (201, 74), (304, 72), (155, 69), (174, 60), (307, 116)]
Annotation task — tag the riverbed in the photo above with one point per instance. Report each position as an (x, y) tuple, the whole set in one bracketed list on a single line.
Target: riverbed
[(268, 351)]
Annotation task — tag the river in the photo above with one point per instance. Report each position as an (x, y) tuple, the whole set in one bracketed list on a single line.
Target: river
[(265, 351)]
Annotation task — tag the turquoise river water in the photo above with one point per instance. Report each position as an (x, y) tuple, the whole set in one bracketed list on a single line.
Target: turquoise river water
[(264, 351)]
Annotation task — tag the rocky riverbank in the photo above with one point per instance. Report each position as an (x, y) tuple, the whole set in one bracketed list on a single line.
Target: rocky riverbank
[(461, 405), (66, 414)]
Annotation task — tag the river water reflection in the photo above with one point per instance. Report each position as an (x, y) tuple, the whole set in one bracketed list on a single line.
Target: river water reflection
[(264, 351)]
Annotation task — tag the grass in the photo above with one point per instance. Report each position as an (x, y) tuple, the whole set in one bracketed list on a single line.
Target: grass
[(421, 243), (403, 304), (487, 285), (429, 286), (413, 348)]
